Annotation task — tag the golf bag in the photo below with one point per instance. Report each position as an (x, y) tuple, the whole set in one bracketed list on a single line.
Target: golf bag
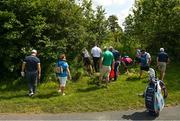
[(154, 100)]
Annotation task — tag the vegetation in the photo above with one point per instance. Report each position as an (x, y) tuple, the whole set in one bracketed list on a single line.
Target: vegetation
[(84, 96), (155, 24), (65, 26)]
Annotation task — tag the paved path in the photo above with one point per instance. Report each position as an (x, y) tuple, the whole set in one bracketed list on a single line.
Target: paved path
[(168, 113)]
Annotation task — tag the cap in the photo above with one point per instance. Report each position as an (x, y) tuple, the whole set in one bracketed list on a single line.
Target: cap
[(110, 47), (162, 49), (34, 51), (105, 48)]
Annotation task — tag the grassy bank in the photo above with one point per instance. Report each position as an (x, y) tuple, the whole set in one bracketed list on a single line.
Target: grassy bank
[(83, 96)]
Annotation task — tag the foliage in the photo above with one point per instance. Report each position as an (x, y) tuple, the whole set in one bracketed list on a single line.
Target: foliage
[(155, 24), (50, 26)]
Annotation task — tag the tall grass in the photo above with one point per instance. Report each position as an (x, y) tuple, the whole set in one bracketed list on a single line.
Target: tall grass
[(84, 95)]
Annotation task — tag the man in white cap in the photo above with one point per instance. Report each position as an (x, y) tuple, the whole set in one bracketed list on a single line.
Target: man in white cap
[(31, 69), (162, 60)]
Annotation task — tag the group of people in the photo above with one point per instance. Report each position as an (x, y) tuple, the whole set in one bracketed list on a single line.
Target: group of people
[(109, 59), (105, 61), (31, 69), (144, 59)]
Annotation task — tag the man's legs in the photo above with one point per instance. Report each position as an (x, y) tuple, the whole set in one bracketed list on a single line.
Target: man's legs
[(35, 81), (116, 65), (96, 63), (143, 68), (32, 82), (141, 71), (162, 68), (105, 72)]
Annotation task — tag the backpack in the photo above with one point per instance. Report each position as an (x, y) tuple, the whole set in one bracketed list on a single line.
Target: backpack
[(58, 68), (144, 60)]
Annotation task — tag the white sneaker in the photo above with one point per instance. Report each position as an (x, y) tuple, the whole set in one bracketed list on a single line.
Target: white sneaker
[(63, 94), (31, 94), (59, 91)]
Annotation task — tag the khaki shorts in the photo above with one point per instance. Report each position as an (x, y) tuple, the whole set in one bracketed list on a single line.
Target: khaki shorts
[(162, 66), (62, 81), (105, 71)]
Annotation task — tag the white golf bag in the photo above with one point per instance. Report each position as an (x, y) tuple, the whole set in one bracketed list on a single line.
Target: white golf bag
[(154, 100)]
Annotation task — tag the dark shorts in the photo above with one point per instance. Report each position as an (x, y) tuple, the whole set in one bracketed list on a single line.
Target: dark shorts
[(138, 60), (145, 68), (87, 61)]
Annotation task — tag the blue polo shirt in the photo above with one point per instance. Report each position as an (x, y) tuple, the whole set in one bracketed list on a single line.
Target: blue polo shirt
[(31, 63), (162, 57)]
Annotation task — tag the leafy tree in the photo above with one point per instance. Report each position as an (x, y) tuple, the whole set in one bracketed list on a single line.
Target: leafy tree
[(114, 27), (50, 26), (155, 24)]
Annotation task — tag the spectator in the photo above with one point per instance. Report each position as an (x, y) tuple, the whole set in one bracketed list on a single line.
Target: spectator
[(138, 56), (64, 73), (31, 69), (87, 60), (145, 61), (117, 58), (126, 61), (96, 54), (162, 61), (106, 62)]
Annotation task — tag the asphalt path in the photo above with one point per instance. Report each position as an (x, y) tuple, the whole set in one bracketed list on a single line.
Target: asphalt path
[(168, 113)]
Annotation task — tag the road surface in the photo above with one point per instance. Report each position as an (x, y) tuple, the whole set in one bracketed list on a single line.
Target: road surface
[(168, 113)]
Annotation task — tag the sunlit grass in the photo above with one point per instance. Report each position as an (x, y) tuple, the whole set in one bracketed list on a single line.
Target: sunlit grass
[(84, 96)]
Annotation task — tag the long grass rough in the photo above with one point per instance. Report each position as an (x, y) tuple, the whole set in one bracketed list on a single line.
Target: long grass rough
[(84, 95)]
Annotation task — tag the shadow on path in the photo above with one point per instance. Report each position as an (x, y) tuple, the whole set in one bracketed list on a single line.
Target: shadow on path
[(139, 116)]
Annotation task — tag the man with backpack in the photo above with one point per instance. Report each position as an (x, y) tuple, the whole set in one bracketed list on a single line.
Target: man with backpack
[(162, 60), (145, 60)]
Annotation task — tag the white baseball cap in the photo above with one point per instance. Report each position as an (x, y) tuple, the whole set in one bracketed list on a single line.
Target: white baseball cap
[(34, 51), (162, 49)]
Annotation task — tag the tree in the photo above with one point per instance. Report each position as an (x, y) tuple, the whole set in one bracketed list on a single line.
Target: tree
[(155, 24), (114, 27), (50, 26)]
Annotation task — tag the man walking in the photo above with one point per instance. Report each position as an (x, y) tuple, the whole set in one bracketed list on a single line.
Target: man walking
[(162, 61), (106, 62), (117, 58), (31, 69), (96, 54), (145, 60)]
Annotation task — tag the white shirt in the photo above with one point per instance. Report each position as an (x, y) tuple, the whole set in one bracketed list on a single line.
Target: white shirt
[(148, 57), (96, 51), (86, 54)]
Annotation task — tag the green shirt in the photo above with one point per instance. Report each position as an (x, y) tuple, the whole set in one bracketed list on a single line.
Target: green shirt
[(107, 58)]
